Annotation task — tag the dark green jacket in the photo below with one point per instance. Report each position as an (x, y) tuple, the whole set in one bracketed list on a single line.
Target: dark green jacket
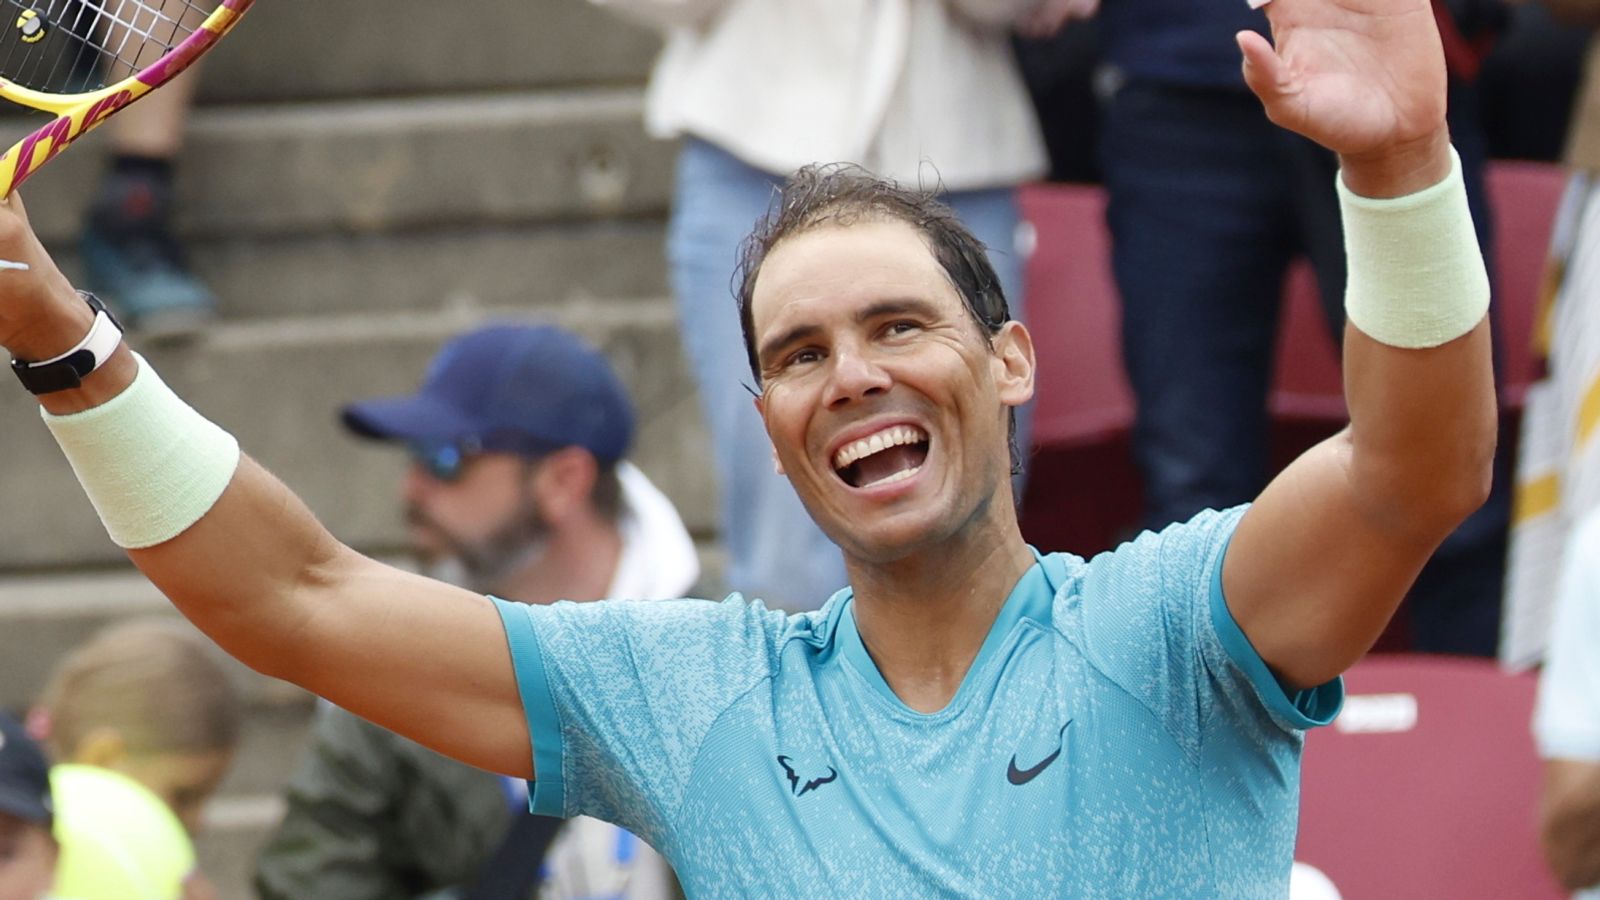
[(373, 816)]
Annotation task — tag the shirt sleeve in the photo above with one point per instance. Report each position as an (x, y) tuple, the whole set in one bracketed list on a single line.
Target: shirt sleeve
[(1566, 720), (619, 696), (1156, 622)]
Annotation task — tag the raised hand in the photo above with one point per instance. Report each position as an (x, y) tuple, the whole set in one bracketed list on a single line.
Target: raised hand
[(1364, 78), (40, 316)]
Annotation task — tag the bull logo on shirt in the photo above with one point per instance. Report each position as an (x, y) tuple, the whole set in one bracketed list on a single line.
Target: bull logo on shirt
[(799, 788)]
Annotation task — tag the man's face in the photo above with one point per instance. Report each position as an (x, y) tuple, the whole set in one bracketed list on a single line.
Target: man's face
[(886, 405), (485, 520), (27, 859)]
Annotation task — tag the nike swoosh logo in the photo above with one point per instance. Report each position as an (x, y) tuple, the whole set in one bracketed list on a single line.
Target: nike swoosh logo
[(1023, 776)]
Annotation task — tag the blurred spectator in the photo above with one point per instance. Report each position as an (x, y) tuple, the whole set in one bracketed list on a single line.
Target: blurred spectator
[(1059, 70), (149, 699), (130, 251), (1529, 83), (923, 91), (1554, 585), (1209, 202), (28, 850), (518, 487), (1567, 720), (1558, 463), (143, 723), (119, 841)]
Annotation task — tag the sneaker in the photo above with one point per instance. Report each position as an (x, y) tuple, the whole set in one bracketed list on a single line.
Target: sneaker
[(135, 263)]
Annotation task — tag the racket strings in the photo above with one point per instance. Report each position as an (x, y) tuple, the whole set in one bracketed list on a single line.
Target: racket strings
[(76, 46)]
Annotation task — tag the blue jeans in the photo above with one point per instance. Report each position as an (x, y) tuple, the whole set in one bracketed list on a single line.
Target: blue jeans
[(1209, 202), (775, 550)]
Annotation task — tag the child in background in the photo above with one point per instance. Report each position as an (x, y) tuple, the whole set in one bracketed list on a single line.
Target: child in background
[(142, 712), (28, 850)]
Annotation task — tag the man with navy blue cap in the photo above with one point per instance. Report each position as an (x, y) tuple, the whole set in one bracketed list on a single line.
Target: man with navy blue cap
[(518, 487), (28, 850)]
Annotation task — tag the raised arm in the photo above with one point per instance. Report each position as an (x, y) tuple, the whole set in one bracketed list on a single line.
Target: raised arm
[(258, 573), (1320, 562)]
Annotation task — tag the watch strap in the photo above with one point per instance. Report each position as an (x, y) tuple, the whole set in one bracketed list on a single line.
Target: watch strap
[(67, 371)]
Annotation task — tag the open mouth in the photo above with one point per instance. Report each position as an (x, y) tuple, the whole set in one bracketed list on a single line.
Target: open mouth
[(891, 455)]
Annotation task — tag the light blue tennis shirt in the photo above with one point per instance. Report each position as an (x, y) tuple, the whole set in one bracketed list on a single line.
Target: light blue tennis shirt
[(1117, 736)]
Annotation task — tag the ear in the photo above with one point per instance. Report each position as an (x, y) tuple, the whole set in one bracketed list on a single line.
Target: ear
[(562, 482), (103, 747), (1014, 364)]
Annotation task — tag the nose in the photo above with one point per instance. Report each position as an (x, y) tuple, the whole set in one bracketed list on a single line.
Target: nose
[(854, 376)]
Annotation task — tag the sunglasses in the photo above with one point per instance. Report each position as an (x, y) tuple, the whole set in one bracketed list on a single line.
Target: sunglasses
[(444, 462)]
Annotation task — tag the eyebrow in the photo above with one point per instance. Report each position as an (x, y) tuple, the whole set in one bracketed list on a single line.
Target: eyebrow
[(877, 310)]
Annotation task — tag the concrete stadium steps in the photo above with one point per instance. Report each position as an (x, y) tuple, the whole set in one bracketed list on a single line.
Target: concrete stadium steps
[(278, 385), (547, 265), (542, 265), (42, 617), (361, 180), (372, 166), (301, 49)]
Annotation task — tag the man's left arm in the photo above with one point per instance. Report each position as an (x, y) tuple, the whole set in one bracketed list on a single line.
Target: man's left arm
[(1322, 559)]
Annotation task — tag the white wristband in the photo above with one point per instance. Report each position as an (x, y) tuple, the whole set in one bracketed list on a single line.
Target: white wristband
[(150, 464), (1416, 276)]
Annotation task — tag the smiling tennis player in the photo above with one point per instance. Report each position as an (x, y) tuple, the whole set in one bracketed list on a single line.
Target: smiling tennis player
[(969, 717)]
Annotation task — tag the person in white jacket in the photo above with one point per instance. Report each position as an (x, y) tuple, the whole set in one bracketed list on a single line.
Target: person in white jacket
[(519, 488), (922, 91)]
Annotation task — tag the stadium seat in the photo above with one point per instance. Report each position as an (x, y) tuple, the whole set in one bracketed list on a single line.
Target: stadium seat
[(1308, 384), (1525, 196), (1073, 311), (1426, 785), (1084, 407)]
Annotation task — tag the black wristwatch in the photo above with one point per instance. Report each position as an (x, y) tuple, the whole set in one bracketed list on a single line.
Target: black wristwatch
[(68, 370)]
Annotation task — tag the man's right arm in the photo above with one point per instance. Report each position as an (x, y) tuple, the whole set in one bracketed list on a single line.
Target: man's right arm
[(267, 582)]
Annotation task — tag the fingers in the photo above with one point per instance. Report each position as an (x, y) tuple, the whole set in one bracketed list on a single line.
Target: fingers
[(13, 223), (1264, 72)]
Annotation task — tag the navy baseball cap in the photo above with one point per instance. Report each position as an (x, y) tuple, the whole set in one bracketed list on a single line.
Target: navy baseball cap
[(523, 389), (24, 775)]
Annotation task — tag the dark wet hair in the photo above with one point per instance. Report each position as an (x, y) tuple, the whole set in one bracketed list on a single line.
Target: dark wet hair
[(846, 194), (840, 194)]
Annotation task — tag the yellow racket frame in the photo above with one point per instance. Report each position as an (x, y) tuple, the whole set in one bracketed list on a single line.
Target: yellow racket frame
[(77, 114)]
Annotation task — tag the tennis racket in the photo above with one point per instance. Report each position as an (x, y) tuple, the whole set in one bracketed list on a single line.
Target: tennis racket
[(82, 61)]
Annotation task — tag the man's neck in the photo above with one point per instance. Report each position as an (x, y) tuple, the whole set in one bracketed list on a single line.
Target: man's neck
[(578, 563), (924, 618)]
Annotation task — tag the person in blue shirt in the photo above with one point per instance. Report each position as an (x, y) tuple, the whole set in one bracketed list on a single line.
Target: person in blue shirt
[(970, 717)]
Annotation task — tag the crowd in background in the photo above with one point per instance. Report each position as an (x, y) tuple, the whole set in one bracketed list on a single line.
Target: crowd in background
[(1208, 205)]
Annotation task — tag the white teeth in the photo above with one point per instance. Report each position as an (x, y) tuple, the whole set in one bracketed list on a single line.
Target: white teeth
[(893, 436), (901, 475)]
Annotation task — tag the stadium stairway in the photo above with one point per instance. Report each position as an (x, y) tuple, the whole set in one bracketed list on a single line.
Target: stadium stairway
[(363, 179)]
